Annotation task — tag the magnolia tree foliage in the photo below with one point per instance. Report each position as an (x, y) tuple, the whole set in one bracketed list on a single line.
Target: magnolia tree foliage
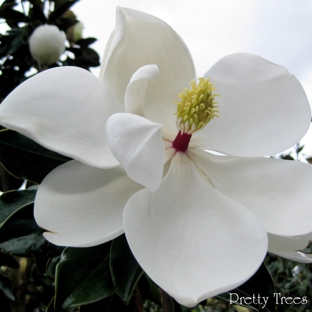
[(79, 270), (16, 59)]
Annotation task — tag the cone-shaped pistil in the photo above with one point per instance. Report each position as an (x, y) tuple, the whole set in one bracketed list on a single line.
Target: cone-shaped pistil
[(194, 111)]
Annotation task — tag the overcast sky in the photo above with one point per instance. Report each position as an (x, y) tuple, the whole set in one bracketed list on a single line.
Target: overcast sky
[(279, 30)]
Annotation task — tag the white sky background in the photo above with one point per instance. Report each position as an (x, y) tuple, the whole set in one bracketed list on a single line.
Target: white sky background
[(278, 30)]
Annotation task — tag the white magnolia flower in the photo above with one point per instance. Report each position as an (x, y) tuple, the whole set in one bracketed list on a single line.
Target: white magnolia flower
[(199, 224), (47, 44)]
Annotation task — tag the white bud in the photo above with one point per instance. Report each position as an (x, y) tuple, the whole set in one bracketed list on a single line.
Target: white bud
[(74, 33), (46, 44)]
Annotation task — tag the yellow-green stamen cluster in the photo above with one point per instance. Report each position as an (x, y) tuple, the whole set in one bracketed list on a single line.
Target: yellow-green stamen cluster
[(197, 106)]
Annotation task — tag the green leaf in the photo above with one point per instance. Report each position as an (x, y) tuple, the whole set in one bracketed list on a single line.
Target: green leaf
[(16, 38), (8, 260), (47, 259), (51, 308), (14, 200), (83, 276), (8, 4), (287, 157), (20, 235), (103, 305), (8, 182), (124, 268), (6, 287), (112, 304), (61, 9), (36, 12), (25, 158), (12, 17), (260, 284), (299, 148), (85, 42), (51, 266)]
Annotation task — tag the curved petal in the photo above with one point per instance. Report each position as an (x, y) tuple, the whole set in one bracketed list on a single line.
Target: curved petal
[(263, 107), (82, 206), (137, 144), (65, 110), (142, 39), (106, 53), (193, 241), (289, 247), (136, 89), (277, 191)]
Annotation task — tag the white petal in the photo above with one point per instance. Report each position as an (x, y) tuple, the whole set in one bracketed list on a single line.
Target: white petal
[(142, 39), (289, 247), (82, 206), (65, 110), (277, 191), (136, 89), (137, 144), (193, 241), (263, 107)]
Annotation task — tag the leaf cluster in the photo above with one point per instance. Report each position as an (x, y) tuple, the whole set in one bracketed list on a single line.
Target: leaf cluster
[(16, 63)]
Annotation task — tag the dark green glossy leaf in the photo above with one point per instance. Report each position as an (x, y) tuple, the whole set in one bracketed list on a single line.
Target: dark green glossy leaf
[(124, 268), (14, 200), (8, 4), (34, 2), (85, 42), (299, 148), (61, 9), (104, 305), (84, 57), (6, 287), (8, 260), (24, 246), (51, 308), (15, 39), (113, 304), (14, 15), (47, 259), (149, 290), (259, 285), (7, 181), (20, 235), (51, 266), (19, 223), (287, 157), (36, 12), (83, 276), (25, 158)]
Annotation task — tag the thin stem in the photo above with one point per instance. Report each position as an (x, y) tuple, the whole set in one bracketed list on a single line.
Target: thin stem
[(167, 301), (138, 300)]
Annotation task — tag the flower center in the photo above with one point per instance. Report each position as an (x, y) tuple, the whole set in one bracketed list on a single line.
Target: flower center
[(197, 106)]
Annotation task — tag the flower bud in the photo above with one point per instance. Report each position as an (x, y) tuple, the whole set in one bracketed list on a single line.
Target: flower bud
[(74, 33), (46, 44)]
